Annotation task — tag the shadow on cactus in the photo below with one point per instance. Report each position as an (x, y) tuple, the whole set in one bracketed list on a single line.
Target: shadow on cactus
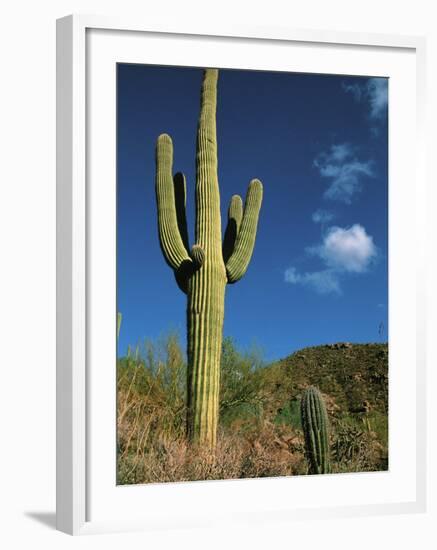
[(203, 271), (315, 425)]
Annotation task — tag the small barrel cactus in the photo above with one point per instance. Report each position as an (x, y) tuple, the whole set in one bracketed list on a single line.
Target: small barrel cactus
[(315, 426)]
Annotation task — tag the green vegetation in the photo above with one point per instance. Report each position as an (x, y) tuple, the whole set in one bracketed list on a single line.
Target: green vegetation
[(259, 432), (203, 272)]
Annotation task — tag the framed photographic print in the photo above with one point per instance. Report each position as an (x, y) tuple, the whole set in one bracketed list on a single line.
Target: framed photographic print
[(241, 275)]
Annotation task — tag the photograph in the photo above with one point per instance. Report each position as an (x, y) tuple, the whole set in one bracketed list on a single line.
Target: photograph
[(252, 274)]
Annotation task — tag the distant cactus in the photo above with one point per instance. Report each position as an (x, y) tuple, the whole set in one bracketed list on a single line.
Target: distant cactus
[(118, 324), (203, 272), (315, 426)]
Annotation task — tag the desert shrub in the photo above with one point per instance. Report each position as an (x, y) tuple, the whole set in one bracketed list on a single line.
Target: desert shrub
[(378, 422), (356, 448), (290, 414), (241, 398)]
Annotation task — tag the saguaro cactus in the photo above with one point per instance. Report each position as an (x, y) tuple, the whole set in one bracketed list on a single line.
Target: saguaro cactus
[(315, 426), (118, 325), (203, 272)]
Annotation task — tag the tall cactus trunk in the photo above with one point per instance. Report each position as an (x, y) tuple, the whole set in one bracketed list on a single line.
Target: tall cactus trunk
[(206, 292), (203, 272), (205, 316)]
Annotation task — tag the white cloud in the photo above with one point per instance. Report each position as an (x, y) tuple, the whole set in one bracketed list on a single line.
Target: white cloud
[(322, 216), (340, 165), (378, 96), (340, 152), (355, 89), (350, 249), (323, 282), (342, 251), (374, 91)]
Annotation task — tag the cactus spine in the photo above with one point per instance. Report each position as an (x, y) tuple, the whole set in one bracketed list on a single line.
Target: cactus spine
[(203, 271), (315, 426)]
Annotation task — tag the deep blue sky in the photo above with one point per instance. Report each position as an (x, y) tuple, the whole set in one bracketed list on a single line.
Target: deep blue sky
[(319, 145)]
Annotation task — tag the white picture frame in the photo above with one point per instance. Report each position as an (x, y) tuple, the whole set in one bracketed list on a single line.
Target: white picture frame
[(76, 209)]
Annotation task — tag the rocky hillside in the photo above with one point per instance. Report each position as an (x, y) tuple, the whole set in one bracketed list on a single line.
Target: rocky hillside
[(354, 377)]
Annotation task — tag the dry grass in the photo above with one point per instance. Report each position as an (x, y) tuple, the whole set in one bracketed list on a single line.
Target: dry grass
[(150, 453)]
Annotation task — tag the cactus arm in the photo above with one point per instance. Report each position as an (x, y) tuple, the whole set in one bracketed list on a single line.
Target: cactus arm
[(235, 214), (237, 263), (187, 269), (180, 195), (172, 245), (197, 256)]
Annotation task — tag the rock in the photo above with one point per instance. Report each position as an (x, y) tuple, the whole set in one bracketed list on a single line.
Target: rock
[(340, 345)]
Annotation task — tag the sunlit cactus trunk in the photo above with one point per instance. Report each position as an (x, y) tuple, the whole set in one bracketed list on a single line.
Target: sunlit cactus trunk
[(203, 272), (205, 314)]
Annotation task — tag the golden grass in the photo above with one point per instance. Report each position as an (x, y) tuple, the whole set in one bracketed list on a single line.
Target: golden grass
[(150, 451)]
